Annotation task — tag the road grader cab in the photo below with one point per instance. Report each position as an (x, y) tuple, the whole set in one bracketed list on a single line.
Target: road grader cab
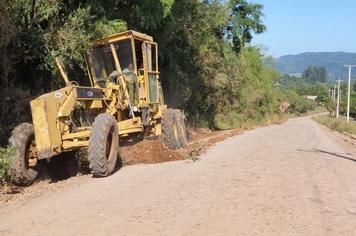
[(125, 99)]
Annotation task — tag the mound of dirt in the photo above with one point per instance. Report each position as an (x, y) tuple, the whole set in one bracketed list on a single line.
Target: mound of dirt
[(148, 152), (153, 151)]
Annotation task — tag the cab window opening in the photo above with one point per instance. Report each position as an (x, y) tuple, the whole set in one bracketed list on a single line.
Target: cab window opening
[(124, 53), (103, 61)]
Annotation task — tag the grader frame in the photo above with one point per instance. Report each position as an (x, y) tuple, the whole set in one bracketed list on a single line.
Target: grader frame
[(52, 138), (129, 100)]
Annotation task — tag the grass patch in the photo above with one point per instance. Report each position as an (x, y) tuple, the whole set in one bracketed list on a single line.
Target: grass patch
[(339, 125), (194, 155), (5, 163)]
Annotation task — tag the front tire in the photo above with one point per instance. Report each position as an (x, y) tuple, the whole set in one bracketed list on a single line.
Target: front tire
[(103, 145), (23, 141)]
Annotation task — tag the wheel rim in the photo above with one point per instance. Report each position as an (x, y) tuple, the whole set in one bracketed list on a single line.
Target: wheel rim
[(175, 131), (183, 130), (109, 144), (30, 154)]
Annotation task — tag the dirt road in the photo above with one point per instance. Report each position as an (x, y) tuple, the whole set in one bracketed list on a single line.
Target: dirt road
[(291, 179)]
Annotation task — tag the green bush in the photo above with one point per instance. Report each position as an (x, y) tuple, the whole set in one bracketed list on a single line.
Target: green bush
[(228, 121), (298, 104), (5, 163)]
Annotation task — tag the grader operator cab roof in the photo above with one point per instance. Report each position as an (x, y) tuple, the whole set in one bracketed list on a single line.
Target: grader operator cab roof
[(123, 35)]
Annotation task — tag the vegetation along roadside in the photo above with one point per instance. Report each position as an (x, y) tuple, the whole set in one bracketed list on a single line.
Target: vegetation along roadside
[(339, 125)]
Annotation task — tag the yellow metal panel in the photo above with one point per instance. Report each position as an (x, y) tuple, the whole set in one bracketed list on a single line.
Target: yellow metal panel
[(158, 129), (41, 127), (142, 89), (134, 55), (133, 125), (142, 36), (77, 135), (68, 104), (52, 111), (71, 145), (89, 67), (124, 35), (96, 104), (145, 66), (44, 116)]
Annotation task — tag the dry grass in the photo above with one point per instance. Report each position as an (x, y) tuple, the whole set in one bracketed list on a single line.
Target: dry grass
[(339, 125)]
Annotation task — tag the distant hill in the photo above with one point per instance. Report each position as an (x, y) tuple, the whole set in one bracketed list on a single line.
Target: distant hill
[(333, 61)]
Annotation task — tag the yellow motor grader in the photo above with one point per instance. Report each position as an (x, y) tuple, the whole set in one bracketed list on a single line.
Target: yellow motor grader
[(125, 98)]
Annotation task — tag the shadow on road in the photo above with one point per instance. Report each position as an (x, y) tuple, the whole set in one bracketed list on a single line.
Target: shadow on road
[(341, 155)]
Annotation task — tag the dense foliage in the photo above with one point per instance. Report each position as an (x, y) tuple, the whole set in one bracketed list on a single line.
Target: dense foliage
[(315, 74), (207, 67)]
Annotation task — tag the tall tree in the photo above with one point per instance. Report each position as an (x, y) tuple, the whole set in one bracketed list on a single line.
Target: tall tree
[(308, 72), (245, 19), (322, 74), (315, 74)]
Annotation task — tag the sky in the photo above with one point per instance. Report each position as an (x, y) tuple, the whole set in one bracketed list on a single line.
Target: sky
[(308, 26)]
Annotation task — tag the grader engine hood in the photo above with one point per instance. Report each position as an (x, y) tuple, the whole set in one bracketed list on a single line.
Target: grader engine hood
[(46, 111)]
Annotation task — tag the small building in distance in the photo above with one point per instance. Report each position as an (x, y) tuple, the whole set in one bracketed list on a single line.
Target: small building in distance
[(310, 97)]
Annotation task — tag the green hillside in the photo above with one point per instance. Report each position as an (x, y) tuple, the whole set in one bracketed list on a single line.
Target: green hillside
[(333, 61)]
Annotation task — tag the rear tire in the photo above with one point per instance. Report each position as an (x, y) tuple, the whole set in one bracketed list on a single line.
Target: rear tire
[(183, 134), (173, 129), (103, 145), (22, 138)]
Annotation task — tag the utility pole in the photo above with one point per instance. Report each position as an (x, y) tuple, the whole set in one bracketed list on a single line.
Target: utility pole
[(338, 99), (349, 92), (334, 97)]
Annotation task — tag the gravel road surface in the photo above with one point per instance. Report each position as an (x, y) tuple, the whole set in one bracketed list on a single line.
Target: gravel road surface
[(297, 178)]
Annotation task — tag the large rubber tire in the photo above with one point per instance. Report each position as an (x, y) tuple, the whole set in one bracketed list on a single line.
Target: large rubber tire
[(21, 138), (103, 145), (172, 129), (183, 133)]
